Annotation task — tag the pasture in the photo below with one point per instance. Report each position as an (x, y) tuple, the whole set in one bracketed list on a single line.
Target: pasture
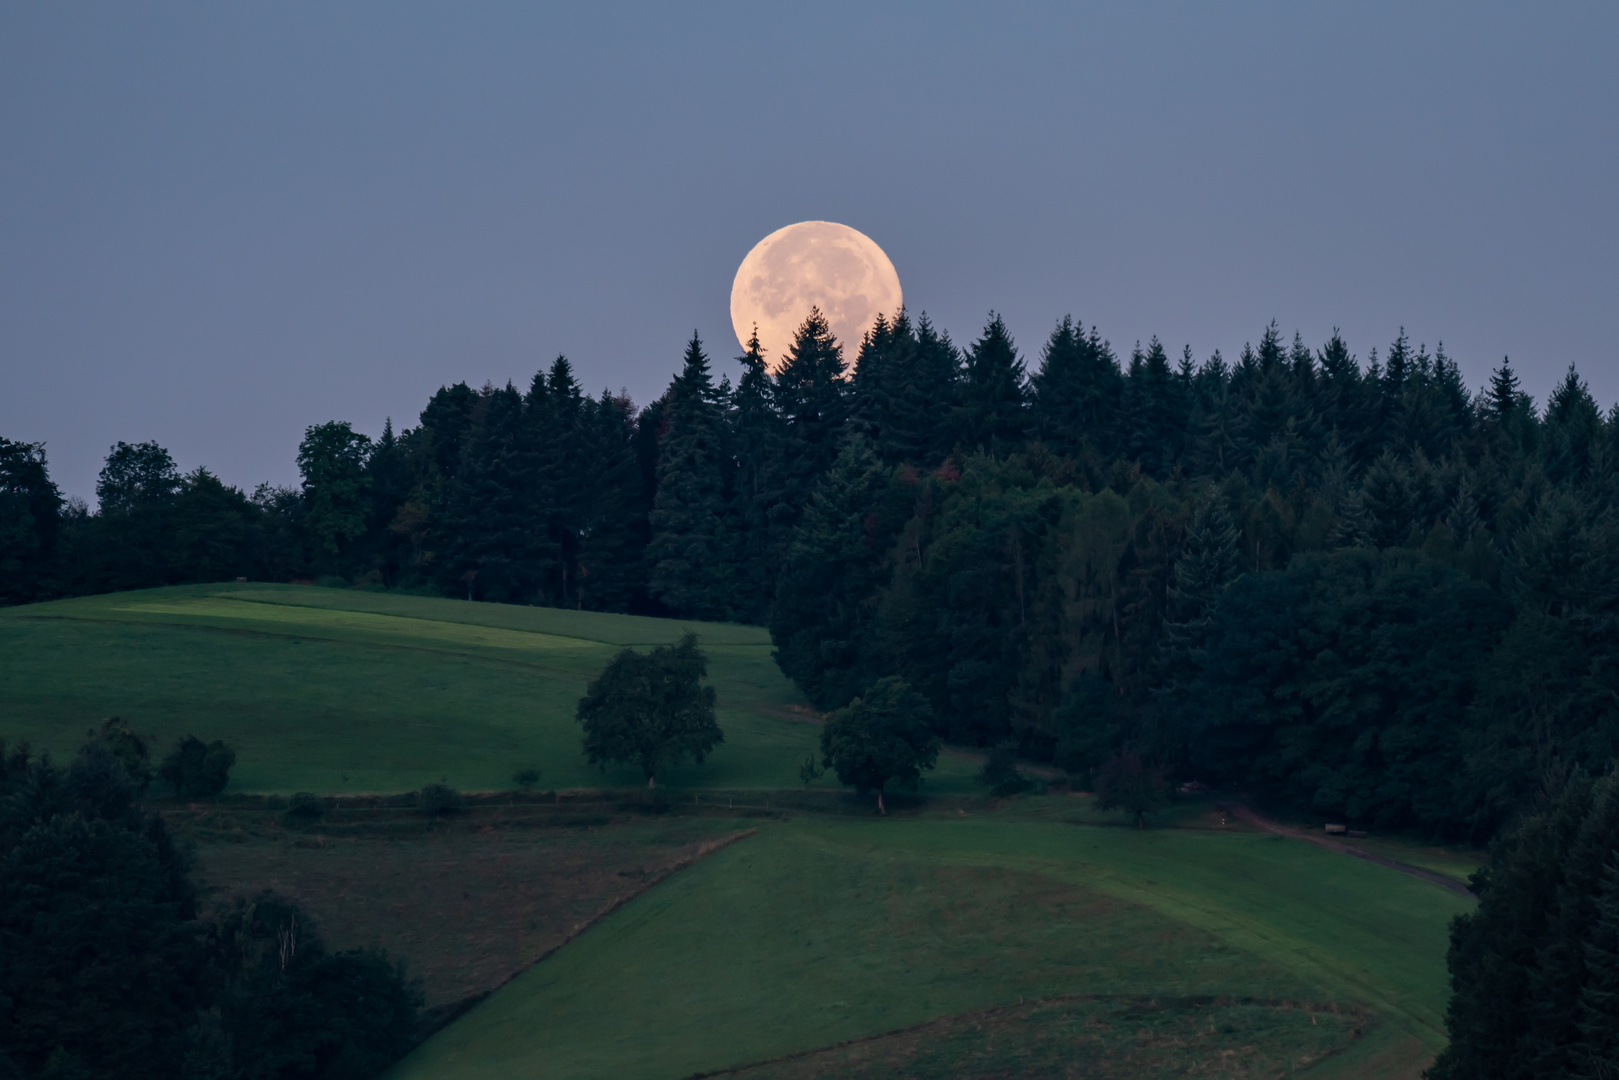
[(818, 931), (344, 692), (960, 938)]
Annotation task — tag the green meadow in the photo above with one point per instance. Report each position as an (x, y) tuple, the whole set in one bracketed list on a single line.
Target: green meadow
[(817, 932), (962, 938), (343, 692)]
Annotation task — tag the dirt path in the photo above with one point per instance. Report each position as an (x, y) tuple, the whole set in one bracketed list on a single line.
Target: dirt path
[(1247, 813)]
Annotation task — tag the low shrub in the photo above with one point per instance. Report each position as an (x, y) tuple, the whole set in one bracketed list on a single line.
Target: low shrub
[(304, 806), (197, 770), (437, 799)]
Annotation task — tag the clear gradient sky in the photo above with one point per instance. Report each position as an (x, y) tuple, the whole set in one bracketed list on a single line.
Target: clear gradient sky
[(220, 223)]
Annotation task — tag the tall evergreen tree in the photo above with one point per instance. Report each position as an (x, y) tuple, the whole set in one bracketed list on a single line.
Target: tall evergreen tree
[(1154, 413), (1075, 395), (935, 386), (820, 623), (1503, 393), (613, 529), (692, 551), (812, 398), (757, 433), (489, 550), (896, 404), (991, 413), (1530, 968)]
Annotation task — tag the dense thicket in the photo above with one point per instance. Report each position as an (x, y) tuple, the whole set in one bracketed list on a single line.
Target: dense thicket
[(1536, 968), (108, 969), (1359, 587)]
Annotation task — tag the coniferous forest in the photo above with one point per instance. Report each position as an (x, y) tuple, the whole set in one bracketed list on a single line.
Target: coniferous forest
[(1351, 585)]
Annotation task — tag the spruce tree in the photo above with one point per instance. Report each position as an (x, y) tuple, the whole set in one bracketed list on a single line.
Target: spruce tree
[(893, 404), (487, 543), (1598, 1018), (757, 434), (1154, 413), (613, 525), (389, 470), (820, 623), (935, 387), (991, 413), (1503, 393), (446, 421), (812, 398), (1532, 968), (1573, 425), (691, 554), (1074, 397)]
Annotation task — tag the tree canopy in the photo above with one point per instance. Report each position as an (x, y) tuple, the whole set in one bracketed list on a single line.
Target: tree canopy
[(1059, 552), (883, 737), (651, 710)]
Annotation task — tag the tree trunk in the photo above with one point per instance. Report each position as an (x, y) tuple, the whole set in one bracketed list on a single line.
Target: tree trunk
[(880, 809)]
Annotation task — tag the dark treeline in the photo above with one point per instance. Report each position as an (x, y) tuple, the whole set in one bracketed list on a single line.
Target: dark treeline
[(110, 966), (1359, 588)]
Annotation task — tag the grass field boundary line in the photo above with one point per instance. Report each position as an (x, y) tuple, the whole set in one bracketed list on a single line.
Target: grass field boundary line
[(455, 1011), (1176, 1002)]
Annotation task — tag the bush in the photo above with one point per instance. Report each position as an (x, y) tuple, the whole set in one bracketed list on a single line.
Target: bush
[(1001, 775), (305, 806), (526, 778), (437, 799), (1124, 783), (195, 769), (129, 748)]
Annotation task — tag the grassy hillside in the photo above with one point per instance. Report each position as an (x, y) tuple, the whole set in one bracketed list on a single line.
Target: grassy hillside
[(821, 931), (338, 691), (1037, 939)]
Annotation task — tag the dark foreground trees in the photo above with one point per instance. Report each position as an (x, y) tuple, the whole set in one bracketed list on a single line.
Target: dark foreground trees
[(1535, 969), (651, 710), (884, 737), (107, 967)]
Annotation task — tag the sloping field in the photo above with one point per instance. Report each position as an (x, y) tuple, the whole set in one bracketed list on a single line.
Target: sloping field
[(818, 932), (338, 691)]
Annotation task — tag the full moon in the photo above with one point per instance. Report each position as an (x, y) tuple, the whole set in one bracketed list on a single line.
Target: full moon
[(812, 264)]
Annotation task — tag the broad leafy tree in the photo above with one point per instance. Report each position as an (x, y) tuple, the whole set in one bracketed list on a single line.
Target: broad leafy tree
[(336, 486), (651, 710), (883, 738)]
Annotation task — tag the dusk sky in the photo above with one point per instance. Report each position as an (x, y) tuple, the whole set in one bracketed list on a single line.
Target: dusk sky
[(220, 223)]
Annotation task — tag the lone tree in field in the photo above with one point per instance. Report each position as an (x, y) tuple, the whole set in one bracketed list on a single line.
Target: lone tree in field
[(651, 710), (1124, 783), (885, 737), (195, 769)]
